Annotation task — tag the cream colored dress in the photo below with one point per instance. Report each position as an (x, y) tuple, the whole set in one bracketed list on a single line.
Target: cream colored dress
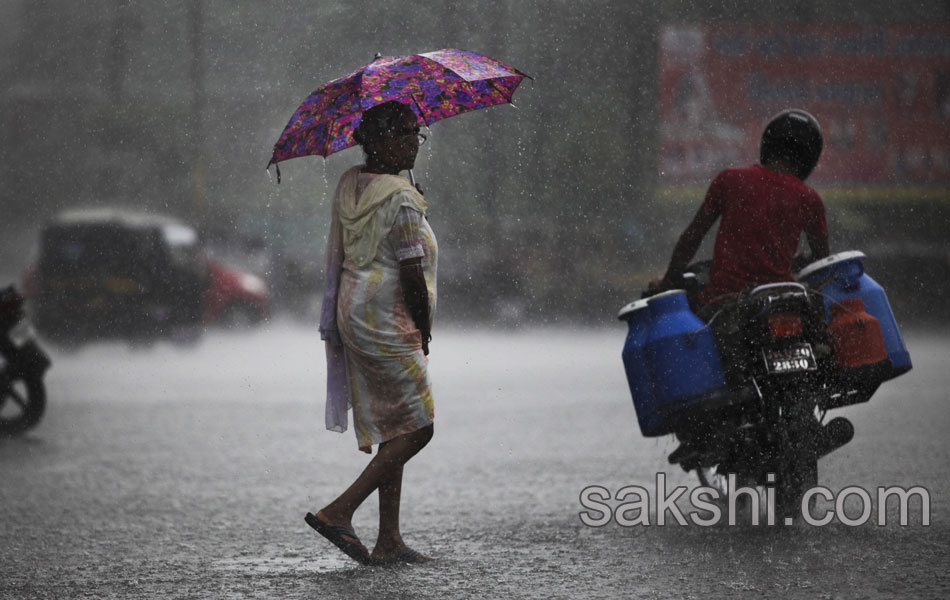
[(387, 380)]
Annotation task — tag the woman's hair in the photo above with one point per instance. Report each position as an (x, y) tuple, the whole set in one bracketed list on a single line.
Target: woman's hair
[(376, 121)]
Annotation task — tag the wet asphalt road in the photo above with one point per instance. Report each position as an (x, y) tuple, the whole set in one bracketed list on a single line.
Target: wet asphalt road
[(185, 473)]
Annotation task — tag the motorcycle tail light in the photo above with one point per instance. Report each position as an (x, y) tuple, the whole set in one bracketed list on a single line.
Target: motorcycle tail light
[(785, 325)]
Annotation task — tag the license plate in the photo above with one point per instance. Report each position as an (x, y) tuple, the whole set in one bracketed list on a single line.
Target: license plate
[(791, 359)]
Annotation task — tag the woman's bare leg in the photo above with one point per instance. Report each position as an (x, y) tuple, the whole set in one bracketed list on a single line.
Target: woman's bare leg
[(385, 466), (389, 542)]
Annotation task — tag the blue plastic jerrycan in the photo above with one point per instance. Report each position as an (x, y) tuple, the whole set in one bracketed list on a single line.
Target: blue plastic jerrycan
[(681, 356), (841, 276), (637, 316)]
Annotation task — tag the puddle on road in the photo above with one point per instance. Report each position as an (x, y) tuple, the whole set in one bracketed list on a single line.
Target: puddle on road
[(281, 565)]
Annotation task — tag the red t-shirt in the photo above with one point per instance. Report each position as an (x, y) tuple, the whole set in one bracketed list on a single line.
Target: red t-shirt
[(763, 215)]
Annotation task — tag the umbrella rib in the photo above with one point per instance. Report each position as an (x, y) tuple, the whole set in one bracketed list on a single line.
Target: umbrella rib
[(422, 111)]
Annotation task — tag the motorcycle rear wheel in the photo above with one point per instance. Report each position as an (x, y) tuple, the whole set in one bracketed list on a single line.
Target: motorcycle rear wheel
[(799, 475), (22, 404), (798, 457)]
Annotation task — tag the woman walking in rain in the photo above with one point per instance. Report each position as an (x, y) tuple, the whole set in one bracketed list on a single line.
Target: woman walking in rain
[(378, 303)]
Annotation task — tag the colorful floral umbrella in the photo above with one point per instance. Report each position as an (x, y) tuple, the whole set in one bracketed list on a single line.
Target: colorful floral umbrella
[(437, 85)]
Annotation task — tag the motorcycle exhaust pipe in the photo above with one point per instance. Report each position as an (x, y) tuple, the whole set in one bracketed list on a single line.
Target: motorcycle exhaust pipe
[(838, 432)]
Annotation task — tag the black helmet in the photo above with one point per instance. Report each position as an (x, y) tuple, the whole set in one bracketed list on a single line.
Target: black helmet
[(793, 135)]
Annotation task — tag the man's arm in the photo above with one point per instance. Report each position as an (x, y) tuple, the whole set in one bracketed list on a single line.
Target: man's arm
[(818, 244), (687, 245), (816, 232)]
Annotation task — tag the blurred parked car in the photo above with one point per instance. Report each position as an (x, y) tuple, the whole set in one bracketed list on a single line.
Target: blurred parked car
[(107, 273)]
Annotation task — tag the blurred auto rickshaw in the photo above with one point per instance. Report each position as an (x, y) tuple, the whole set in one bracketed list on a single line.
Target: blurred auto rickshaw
[(107, 273)]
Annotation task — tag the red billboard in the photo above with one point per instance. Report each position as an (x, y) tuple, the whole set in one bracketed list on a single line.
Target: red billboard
[(881, 94)]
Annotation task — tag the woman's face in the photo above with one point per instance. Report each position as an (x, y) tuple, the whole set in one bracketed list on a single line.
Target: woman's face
[(399, 146)]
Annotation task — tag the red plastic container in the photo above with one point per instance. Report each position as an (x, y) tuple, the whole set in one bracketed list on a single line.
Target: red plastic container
[(855, 335)]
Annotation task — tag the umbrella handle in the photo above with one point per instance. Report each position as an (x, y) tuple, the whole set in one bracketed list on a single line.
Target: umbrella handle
[(412, 180)]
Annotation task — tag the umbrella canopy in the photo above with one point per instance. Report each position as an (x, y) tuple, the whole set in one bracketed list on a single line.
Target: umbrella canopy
[(436, 85)]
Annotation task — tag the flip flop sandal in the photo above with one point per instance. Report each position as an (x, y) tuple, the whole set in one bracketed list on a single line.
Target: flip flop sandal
[(337, 535)]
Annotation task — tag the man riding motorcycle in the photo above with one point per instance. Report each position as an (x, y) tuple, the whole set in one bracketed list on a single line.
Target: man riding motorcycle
[(788, 351), (764, 209)]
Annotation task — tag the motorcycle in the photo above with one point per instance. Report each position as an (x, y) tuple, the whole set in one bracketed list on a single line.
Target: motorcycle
[(23, 363), (786, 354)]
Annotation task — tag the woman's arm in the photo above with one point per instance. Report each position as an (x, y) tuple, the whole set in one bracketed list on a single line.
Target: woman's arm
[(410, 247), (415, 293)]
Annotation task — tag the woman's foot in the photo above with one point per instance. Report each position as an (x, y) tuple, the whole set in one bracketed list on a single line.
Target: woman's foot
[(397, 554), (340, 535), (332, 518)]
